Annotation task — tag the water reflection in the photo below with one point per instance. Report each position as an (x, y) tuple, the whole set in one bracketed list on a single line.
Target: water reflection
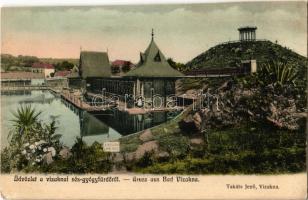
[(73, 122), (41, 99), (121, 121), (90, 125), (15, 92), (126, 123)]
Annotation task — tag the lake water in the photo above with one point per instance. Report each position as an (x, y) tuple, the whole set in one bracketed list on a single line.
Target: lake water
[(73, 122)]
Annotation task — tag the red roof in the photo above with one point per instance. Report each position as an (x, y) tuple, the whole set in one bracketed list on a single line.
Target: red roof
[(120, 62), (42, 65), (62, 73)]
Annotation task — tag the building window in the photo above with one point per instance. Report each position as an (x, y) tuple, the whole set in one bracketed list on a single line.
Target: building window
[(157, 57)]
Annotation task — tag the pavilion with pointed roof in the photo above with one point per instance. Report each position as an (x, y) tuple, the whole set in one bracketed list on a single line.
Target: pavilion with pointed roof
[(152, 77), (153, 64)]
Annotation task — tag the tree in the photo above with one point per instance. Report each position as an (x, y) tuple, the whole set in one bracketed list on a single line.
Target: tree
[(64, 65), (126, 67), (178, 66), (25, 118)]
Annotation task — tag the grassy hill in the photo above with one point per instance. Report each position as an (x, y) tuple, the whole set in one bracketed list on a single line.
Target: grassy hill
[(75, 61), (231, 54)]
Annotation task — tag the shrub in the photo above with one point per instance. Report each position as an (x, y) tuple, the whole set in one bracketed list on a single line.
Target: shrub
[(175, 144), (30, 141), (278, 72)]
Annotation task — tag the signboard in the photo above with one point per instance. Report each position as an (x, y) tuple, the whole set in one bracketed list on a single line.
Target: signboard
[(111, 146)]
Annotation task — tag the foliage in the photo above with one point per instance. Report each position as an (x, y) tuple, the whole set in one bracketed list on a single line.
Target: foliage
[(24, 63), (25, 117), (146, 160), (231, 54), (126, 67), (84, 159), (5, 161), (178, 66), (64, 65), (174, 144), (277, 72), (8, 61), (30, 140), (242, 150), (130, 143), (200, 83)]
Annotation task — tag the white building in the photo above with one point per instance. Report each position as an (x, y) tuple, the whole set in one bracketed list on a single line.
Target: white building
[(45, 68)]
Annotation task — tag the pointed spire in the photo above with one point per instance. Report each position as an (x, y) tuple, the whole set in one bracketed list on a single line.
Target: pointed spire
[(152, 34)]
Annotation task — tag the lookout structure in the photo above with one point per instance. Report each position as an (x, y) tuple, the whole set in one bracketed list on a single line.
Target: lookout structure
[(247, 33)]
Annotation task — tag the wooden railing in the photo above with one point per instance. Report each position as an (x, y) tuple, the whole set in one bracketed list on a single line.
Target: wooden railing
[(219, 71)]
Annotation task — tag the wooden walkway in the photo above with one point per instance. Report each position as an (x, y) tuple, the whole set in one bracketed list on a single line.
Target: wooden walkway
[(77, 101), (29, 87)]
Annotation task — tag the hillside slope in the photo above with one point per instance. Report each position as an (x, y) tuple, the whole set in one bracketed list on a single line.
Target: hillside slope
[(231, 54)]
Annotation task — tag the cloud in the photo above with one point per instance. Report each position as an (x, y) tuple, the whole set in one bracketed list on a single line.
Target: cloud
[(181, 31)]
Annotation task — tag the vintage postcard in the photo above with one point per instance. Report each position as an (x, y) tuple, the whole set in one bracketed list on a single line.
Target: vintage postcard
[(201, 100)]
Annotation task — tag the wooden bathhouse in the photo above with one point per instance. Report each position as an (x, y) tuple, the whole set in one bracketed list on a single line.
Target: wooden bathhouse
[(91, 64), (153, 78), (153, 75)]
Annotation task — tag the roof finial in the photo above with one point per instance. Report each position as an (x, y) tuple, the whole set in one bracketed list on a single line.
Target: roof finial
[(152, 34)]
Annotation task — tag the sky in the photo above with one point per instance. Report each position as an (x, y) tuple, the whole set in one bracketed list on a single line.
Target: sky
[(181, 31)]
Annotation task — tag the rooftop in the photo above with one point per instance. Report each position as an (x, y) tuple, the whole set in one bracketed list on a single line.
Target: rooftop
[(94, 64), (244, 28), (63, 73), (153, 64), (42, 65), (120, 62)]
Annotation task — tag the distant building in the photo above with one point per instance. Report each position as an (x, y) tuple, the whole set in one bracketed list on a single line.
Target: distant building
[(44, 68), (57, 83), (247, 33), (21, 78), (63, 73)]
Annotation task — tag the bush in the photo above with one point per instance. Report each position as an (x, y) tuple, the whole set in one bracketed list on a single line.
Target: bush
[(30, 141), (175, 144), (84, 159)]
